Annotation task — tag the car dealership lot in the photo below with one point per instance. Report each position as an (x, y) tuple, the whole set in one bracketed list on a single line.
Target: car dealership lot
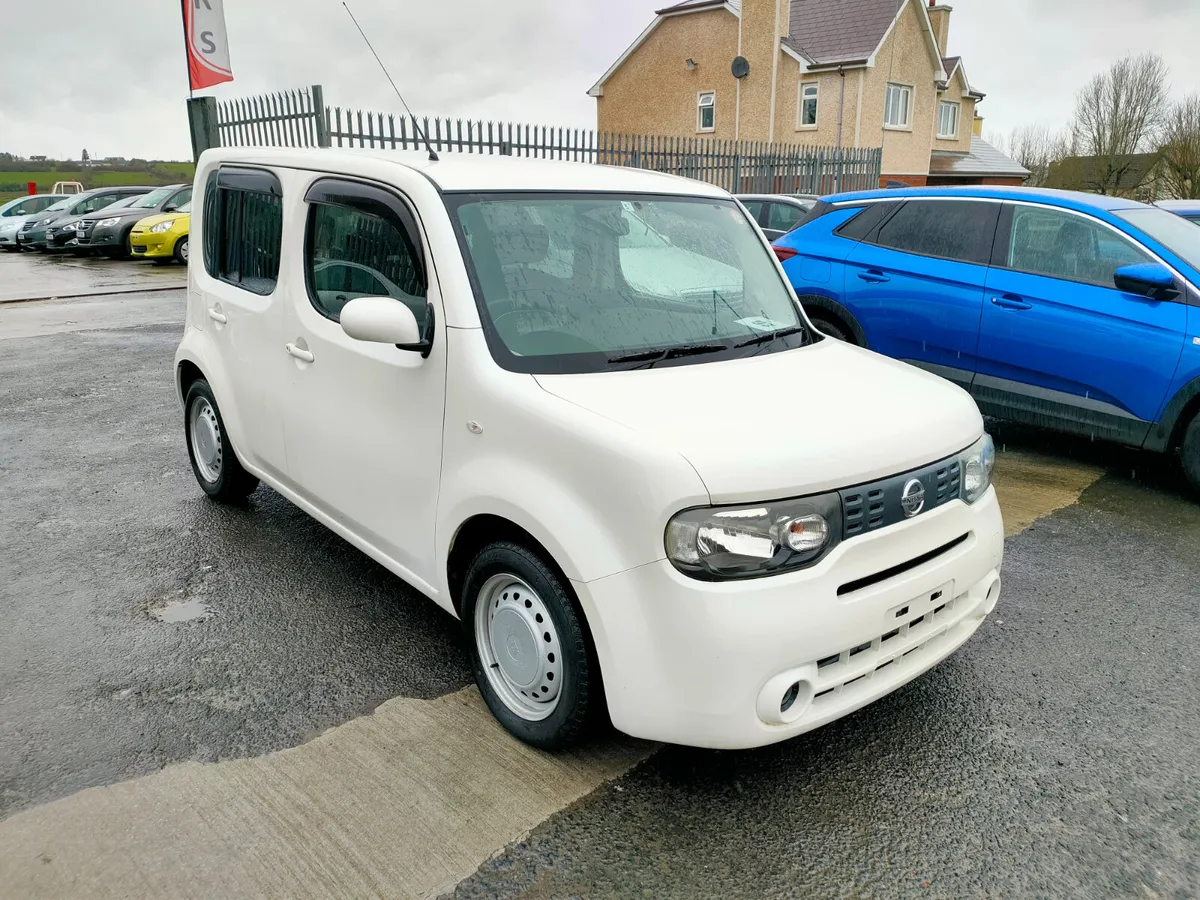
[(142, 628)]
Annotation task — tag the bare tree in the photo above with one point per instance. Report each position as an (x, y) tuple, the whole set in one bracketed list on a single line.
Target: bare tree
[(1037, 147), (1118, 114), (1181, 149)]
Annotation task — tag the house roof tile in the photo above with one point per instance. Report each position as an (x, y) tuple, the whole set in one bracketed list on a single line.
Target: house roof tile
[(830, 31), (984, 161)]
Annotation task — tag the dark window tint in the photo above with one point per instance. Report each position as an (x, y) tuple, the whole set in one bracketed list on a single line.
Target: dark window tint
[(355, 253), (783, 216), (949, 229), (243, 227), (1063, 245), (861, 225)]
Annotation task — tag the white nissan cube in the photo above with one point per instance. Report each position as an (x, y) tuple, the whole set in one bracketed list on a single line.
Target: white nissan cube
[(580, 408)]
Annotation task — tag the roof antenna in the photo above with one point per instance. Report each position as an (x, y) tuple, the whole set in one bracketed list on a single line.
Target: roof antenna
[(432, 156)]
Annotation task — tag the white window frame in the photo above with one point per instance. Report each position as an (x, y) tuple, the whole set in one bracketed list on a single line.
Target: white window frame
[(711, 96), (906, 91), (957, 112), (816, 95)]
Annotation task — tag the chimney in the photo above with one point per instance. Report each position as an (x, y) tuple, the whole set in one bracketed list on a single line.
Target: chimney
[(978, 128), (939, 18), (764, 22)]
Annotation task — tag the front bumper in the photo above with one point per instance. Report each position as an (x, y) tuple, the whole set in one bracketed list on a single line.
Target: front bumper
[(34, 237), (9, 238), (153, 246), (98, 238), (708, 664), (56, 240)]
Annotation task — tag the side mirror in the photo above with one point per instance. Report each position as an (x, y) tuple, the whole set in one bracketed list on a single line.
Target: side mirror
[(1150, 280), (386, 320), (170, 207)]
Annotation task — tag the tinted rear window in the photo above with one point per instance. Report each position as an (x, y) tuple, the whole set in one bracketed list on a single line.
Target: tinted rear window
[(857, 228), (960, 230)]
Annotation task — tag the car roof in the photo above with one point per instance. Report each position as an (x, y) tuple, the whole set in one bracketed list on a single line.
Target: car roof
[(1069, 199), (475, 172), (1189, 205)]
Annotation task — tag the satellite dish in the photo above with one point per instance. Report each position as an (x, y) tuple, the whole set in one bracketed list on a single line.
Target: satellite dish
[(740, 67)]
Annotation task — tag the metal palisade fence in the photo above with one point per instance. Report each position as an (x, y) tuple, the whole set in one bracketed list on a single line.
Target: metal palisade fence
[(301, 119)]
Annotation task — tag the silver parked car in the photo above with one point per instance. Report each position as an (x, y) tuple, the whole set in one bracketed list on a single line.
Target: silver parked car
[(777, 214), (14, 213)]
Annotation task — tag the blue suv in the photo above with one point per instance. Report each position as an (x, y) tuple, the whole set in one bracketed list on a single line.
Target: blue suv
[(1070, 311)]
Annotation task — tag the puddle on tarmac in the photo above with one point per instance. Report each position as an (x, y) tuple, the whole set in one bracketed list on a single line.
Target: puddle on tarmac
[(175, 611)]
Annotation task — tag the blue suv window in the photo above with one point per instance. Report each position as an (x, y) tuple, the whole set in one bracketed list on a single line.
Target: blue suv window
[(1063, 245), (960, 230), (858, 227)]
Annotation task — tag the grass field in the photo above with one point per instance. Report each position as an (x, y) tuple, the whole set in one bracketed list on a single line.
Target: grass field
[(158, 173)]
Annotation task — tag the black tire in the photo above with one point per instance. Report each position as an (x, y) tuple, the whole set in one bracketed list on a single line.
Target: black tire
[(580, 692), (1189, 453), (13, 249), (231, 483), (833, 329), (126, 248), (180, 251)]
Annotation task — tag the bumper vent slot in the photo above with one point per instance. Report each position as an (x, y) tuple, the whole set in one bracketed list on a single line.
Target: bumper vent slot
[(857, 585)]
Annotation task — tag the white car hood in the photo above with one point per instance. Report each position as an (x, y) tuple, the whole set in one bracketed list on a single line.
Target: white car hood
[(789, 423)]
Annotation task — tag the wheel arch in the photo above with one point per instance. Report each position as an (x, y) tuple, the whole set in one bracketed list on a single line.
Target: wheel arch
[(819, 306), (1167, 433)]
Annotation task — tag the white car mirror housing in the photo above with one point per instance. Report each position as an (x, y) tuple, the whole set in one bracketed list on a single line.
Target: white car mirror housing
[(385, 320)]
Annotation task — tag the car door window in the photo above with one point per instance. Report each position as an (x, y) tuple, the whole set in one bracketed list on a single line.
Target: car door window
[(355, 252), (1063, 245), (959, 230), (755, 208), (783, 216), (243, 228), (22, 209), (180, 199)]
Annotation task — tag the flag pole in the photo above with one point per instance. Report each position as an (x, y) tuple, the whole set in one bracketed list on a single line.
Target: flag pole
[(187, 49)]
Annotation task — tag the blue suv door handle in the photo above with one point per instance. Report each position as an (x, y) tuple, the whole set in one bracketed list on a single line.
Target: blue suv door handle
[(1011, 301), (873, 276)]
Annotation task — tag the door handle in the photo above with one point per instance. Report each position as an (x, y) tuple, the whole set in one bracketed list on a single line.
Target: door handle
[(1011, 301), (302, 355), (873, 276), (219, 318)]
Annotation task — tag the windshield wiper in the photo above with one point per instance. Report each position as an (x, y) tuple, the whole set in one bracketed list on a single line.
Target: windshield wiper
[(767, 337), (655, 356)]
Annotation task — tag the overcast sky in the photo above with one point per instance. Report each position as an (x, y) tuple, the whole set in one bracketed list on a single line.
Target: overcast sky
[(110, 76)]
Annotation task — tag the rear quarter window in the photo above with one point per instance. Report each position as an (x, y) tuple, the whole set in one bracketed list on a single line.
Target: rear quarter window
[(861, 225)]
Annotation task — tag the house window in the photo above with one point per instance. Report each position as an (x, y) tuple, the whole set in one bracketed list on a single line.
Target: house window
[(899, 103), (947, 119), (808, 104), (706, 111)]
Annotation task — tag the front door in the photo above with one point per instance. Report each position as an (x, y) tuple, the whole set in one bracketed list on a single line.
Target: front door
[(916, 283), (364, 420), (1059, 340)]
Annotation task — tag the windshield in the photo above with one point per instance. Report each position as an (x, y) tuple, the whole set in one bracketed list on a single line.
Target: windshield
[(152, 199), (65, 203), (1174, 232), (581, 283)]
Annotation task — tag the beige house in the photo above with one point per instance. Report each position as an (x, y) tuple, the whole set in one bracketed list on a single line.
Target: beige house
[(834, 73)]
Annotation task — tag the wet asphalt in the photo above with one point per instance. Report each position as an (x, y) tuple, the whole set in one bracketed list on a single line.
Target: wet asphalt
[(1058, 755), (102, 525)]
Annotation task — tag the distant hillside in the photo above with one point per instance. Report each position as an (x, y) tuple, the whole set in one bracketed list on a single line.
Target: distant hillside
[(15, 174)]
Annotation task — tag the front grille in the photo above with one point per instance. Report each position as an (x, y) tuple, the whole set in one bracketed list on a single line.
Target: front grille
[(83, 232), (28, 226), (908, 642), (878, 504)]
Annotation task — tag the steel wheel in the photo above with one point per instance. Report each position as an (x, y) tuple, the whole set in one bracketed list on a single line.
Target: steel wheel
[(207, 446), (518, 647)]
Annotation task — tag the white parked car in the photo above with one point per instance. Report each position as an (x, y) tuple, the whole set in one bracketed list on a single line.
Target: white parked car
[(673, 502)]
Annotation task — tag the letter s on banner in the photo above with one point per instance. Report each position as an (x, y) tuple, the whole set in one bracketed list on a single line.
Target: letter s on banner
[(207, 43)]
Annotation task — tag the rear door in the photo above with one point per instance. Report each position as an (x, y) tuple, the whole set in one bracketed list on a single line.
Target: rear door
[(1059, 342), (916, 283)]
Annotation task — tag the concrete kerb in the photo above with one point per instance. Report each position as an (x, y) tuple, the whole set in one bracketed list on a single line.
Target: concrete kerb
[(108, 292)]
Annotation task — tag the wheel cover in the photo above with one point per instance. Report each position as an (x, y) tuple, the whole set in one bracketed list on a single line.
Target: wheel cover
[(183, 250), (518, 647), (207, 447)]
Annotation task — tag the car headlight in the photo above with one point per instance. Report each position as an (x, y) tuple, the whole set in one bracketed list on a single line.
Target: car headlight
[(105, 223), (726, 542), (977, 463), (72, 226), (45, 222), (161, 227)]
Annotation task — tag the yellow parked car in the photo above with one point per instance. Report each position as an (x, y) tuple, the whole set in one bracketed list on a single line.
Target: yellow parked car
[(163, 236)]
